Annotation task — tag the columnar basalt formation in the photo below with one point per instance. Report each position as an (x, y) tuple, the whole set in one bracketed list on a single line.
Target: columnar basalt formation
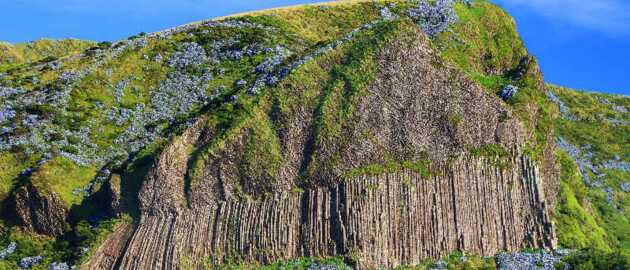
[(415, 109), (109, 252), (43, 212), (382, 221)]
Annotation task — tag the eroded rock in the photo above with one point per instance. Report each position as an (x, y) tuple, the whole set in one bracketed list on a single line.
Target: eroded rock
[(40, 210)]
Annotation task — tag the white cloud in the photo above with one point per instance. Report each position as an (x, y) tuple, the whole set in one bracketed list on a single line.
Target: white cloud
[(609, 16)]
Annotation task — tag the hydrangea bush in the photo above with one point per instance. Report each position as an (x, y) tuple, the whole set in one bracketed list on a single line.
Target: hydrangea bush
[(434, 18), (508, 92), (8, 250)]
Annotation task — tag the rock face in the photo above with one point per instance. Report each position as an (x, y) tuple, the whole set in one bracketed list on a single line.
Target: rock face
[(383, 221), (106, 256), (114, 195), (416, 108), (41, 212)]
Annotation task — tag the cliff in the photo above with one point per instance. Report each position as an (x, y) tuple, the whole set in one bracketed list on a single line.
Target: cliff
[(338, 129), (391, 183)]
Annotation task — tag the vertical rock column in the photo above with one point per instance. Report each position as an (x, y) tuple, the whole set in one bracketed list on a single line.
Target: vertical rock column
[(379, 221)]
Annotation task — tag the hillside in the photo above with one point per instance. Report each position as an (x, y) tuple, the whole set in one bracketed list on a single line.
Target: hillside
[(593, 132), (356, 133), (12, 55)]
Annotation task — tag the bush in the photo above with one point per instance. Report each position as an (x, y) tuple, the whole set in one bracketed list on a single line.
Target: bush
[(104, 44), (434, 18), (591, 259)]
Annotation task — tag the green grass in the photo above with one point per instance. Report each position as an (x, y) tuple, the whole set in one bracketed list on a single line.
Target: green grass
[(483, 42), (592, 125), (419, 167), (11, 165), (62, 176), (55, 250), (576, 221), (594, 259), (585, 217), (457, 261), (484, 45), (497, 154), (30, 244), (316, 24), (43, 49)]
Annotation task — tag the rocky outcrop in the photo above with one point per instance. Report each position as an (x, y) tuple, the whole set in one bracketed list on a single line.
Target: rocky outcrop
[(40, 211), (114, 195), (110, 251), (379, 221), (416, 108)]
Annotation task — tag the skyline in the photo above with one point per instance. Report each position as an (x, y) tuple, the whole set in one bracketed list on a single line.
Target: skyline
[(573, 50)]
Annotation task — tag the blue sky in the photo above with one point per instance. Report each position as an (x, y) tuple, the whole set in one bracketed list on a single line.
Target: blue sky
[(579, 43)]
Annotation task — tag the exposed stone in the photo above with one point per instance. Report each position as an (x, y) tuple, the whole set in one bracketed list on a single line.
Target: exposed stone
[(373, 217), (114, 194), (40, 211), (111, 250), (386, 220)]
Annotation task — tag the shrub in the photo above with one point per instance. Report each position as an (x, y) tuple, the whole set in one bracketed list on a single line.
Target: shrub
[(508, 92), (434, 18), (591, 259), (104, 44)]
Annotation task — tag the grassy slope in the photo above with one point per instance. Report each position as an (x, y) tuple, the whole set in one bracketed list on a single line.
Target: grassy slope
[(585, 217), (24, 53)]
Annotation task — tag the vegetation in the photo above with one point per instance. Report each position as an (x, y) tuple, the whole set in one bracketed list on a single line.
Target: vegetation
[(497, 154), (577, 227), (456, 261), (115, 108), (25, 53), (419, 167), (298, 264), (64, 177), (485, 45), (593, 258), (593, 210), (75, 246)]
